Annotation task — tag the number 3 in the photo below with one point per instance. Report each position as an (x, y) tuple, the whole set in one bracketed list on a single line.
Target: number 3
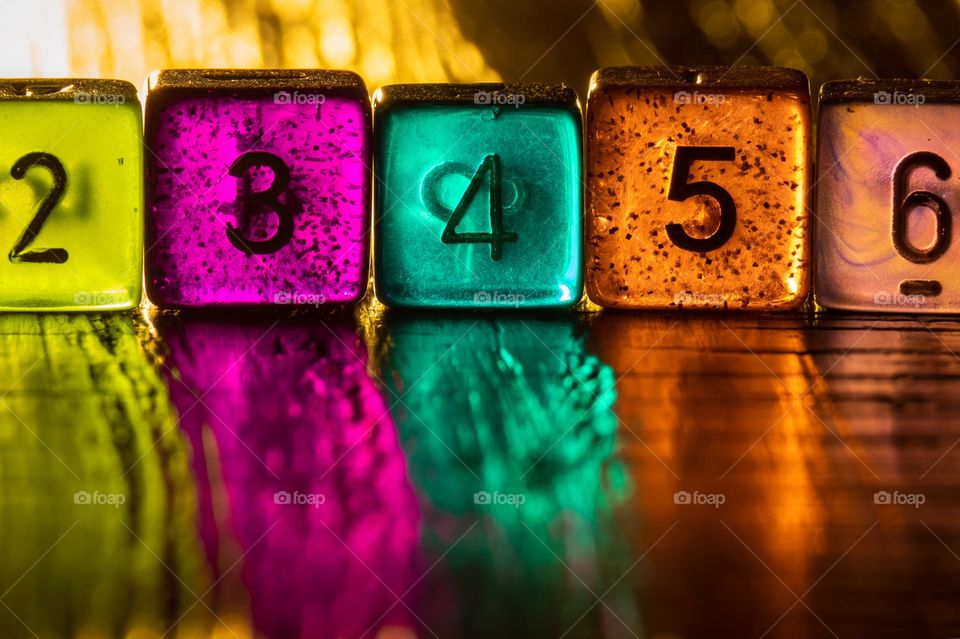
[(268, 199), (681, 190)]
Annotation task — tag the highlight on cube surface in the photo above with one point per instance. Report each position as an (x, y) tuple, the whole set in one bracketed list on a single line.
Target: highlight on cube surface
[(478, 201), (259, 187), (697, 182), (887, 195), (71, 195)]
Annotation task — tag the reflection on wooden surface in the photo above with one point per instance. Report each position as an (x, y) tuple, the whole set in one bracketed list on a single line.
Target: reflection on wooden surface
[(510, 438), (892, 388), (794, 428), (96, 502), (814, 461), (302, 483)]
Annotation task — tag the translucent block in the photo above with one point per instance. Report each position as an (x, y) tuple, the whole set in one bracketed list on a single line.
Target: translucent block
[(886, 193), (258, 187), (478, 200), (697, 188), (71, 195)]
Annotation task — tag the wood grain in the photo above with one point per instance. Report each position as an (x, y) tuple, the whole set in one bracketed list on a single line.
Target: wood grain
[(798, 422), (794, 422)]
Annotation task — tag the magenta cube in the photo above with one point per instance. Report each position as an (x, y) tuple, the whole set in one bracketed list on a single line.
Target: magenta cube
[(258, 187)]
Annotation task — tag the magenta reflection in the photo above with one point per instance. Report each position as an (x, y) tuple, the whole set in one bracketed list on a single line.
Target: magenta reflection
[(257, 198), (298, 467)]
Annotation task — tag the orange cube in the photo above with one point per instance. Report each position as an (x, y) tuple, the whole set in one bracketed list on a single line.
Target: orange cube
[(697, 188)]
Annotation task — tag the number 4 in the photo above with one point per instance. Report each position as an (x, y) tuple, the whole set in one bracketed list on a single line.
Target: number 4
[(497, 236)]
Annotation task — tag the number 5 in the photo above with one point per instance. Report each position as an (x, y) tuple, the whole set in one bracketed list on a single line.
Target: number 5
[(681, 190)]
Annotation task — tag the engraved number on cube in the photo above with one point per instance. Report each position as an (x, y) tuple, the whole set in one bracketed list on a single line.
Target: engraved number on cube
[(903, 204), (681, 190), (20, 253), (255, 201), (497, 236)]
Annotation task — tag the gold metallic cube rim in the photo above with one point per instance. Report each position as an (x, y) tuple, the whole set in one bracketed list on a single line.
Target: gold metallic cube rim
[(864, 90), (701, 77), (534, 93), (262, 79), (65, 89), (168, 86)]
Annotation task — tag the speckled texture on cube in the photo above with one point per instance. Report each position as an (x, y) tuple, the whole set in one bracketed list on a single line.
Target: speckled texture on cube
[(197, 127), (637, 117), (863, 138)]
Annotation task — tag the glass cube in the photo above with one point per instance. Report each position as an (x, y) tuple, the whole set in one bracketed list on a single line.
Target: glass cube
[(478, 201), (258, 187), (697, 188), (71, 195), (886, 192)]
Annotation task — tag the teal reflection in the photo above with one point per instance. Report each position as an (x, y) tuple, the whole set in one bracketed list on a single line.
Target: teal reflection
[(511, 442)]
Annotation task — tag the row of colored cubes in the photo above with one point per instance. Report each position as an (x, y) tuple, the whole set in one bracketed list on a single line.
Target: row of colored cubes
[(259, 188)]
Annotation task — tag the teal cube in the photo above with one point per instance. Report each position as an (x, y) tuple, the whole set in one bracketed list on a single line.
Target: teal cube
[(478, 199)]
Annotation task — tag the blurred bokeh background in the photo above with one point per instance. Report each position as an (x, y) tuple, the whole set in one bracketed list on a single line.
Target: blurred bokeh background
[(468, 41)]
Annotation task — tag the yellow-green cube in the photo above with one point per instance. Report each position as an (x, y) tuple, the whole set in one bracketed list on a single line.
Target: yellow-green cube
[(71, 195)]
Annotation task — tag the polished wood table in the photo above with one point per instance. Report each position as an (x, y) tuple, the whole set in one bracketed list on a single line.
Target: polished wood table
[(396, 475)]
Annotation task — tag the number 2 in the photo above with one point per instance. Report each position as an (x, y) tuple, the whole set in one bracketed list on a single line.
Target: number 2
[(19, 252), (681, 190)]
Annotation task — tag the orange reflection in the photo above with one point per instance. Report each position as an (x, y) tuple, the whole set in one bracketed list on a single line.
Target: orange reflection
[(714, 420)]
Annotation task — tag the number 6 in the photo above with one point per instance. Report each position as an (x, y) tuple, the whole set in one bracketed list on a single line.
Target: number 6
[(902, 205)]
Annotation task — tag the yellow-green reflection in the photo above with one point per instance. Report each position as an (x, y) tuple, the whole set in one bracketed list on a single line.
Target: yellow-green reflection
[(96, 505), (510, 438)]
